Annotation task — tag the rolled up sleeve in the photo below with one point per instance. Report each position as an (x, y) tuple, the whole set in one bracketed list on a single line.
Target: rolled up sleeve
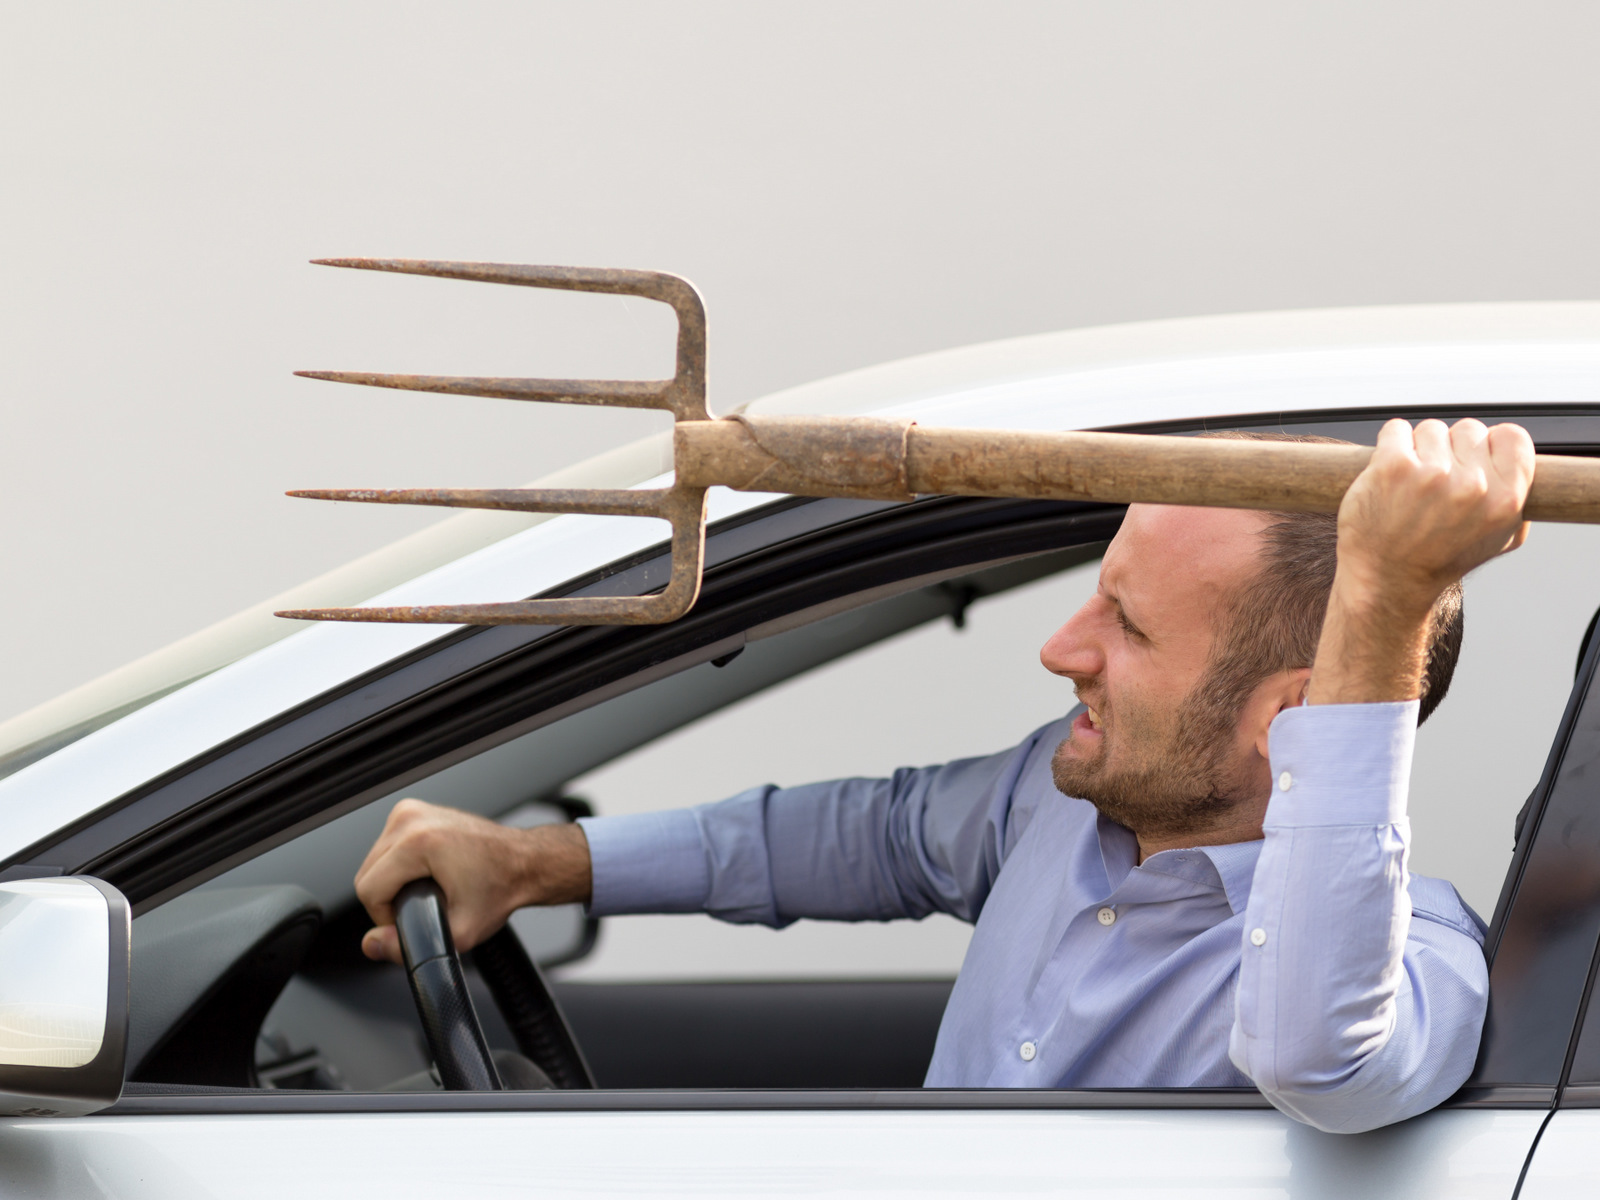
[(1355, 1009)]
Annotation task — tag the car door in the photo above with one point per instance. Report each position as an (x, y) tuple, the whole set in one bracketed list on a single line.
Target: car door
[(488, 688)]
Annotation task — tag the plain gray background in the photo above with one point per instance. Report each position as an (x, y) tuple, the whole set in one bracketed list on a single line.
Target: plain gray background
[(847, 182)]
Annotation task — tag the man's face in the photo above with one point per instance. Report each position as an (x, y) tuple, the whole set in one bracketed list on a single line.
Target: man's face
[(1146, 754)]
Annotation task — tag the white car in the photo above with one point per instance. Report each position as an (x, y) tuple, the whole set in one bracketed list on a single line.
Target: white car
[(227, 788)]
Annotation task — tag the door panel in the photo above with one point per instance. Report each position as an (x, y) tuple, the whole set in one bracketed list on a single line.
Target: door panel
[(857, 1033), (1460, 1153), (1566, 1165)]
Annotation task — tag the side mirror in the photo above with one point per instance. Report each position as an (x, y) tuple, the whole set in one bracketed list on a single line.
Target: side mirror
[(63, 995)]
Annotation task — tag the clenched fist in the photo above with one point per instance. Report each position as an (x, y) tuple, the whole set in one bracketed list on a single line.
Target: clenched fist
[(1433, 503), (487, 871)]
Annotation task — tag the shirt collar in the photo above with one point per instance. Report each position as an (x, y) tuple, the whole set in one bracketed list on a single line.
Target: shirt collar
[(1236, 866), (1119, 850), (1234, 863)]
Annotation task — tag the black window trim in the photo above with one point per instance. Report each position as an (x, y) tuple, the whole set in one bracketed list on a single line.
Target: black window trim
[(219, 1103), (705, 1100)]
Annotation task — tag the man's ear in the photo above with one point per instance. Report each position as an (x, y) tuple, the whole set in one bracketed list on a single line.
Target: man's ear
[(1286, 689)]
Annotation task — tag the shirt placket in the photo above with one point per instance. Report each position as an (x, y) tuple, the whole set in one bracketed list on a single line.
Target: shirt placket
[(1041, 1048)]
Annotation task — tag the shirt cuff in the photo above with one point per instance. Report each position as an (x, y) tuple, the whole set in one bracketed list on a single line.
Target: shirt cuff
[(1341, 764), (646, 863)]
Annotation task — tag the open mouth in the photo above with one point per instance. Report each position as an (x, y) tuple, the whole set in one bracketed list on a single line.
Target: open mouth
[(1087, 728)]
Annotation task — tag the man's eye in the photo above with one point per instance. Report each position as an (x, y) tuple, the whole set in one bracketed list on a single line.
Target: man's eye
[(1128, 626)]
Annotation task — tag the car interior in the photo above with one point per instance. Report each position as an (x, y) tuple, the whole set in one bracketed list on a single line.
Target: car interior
[(255, 979)]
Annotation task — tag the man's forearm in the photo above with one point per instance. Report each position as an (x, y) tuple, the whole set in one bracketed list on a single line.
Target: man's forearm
[(558, 869), (1374, 645)]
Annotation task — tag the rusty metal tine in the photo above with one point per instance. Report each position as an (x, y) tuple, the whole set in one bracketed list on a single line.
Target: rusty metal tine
[(682, 505), (685, 507), (652, 285), (618, 393), (685, 396), (578, 610), (619, 502)]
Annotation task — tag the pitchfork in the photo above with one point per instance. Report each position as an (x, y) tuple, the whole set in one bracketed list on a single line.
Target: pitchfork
[(858, 457)]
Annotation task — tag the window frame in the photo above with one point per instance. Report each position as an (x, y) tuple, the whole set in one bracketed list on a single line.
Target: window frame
[(1560, 813)]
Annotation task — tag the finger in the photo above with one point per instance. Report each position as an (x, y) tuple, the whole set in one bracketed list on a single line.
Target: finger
[(466, 935), (1511, 453), (383, 945), (1395, 455), (1468, 438), (399, 816), (381, 847), (1473, 470), (376, 888), (1396, 438), (403, 819), (1433, 444)]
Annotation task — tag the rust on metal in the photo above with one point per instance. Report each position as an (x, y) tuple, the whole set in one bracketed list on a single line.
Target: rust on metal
[(621, 393), (683, 507), (684, 395), (852, 457)]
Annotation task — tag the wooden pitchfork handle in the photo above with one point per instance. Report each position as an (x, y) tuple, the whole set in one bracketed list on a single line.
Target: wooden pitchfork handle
[(895, 460)]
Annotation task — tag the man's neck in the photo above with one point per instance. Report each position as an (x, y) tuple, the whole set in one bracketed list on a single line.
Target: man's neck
[(1241, 825)]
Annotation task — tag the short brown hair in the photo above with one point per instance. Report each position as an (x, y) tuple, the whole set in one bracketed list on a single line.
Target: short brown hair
[(1275, 621)]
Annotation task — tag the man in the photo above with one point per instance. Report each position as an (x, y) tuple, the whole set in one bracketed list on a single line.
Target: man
[(1197, 879)]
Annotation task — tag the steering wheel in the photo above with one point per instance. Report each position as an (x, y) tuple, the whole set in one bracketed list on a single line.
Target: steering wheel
[(444, 1005)]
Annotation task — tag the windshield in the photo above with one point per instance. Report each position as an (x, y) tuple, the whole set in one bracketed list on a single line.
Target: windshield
[(41, 731)]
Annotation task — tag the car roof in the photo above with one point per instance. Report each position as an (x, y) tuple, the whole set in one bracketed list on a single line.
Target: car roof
[(101, 740)]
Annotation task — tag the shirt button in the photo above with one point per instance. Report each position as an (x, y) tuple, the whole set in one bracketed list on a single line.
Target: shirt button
[(1285, 781), (1027, 1050), (1258, 937), (1107, 916)]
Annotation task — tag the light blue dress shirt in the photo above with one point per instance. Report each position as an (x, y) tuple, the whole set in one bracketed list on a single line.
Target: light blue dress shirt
[(1310, 964)]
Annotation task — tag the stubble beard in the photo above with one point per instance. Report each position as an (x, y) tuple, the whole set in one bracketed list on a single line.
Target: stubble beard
[(1175, 778)]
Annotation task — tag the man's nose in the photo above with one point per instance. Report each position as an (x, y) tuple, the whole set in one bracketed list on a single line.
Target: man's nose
[(1074, 650)]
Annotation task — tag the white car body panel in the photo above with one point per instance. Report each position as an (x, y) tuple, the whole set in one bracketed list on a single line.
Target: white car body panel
[(1565, 1166), (1460, 1154), (1164, 371)]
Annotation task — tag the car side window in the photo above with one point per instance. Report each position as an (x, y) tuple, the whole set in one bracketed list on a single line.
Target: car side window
[(1480, 755)]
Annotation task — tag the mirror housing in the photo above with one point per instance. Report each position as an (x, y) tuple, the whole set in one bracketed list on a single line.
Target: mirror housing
[(64, 956)]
